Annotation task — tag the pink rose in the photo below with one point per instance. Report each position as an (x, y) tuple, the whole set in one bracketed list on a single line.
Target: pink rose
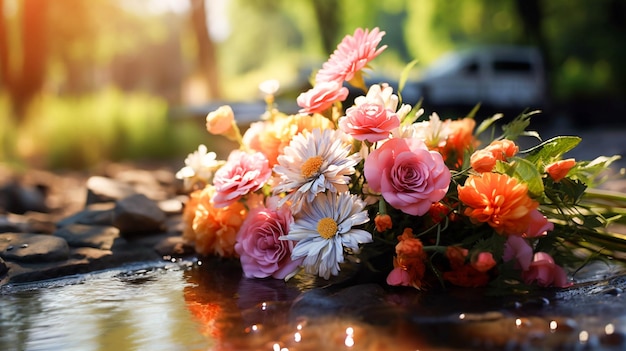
[(410, 177), (369, 121), (518, 248), (261, 252), (545, 272), (321, 97), (243, 173), (538, 225)]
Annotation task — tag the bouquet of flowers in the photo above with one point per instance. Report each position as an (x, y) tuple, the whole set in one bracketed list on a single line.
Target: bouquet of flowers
[(436, 200)]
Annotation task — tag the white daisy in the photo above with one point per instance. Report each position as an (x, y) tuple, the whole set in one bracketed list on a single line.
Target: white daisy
[(199, 167), (313, 163), (324, 227)]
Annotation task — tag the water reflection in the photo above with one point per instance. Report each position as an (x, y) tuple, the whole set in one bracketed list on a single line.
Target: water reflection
[(210, 306), (109, 311)]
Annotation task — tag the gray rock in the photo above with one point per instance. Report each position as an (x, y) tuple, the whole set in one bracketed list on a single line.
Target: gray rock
[(93, 214), (7, 224), (31, 222), (137, 215), (94, 236), (19, 198), (172, 206), (26, 247), (102, 189)]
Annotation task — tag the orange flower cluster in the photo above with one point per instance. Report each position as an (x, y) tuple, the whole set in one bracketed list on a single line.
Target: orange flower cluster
[(408, 264), (498, 200), (460, 140), (212, 230), (464, 274), (272, 136)]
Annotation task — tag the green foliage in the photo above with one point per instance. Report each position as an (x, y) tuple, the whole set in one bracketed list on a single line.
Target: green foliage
[(83, 131), (552, 150)]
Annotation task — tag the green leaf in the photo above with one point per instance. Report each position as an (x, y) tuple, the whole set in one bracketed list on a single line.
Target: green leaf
[(551, 150), (488, 122), (404, 76), (472, 113), (528, 173), (518, 126)]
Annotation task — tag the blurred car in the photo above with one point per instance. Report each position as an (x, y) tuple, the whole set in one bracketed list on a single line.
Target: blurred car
[(496, 76)]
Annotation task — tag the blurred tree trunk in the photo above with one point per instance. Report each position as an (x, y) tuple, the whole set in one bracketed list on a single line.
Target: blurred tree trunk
[(25, 80), (327, 16), (5, 77), (207, 58)]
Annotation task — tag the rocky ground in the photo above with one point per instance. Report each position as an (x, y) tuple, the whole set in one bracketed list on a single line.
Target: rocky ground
[(59, 224)]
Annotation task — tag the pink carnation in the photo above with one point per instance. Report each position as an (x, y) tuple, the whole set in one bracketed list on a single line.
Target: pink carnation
[(321, 97), (545, 272), (369, 121), (243, 173), (352, 55), (538, 225), (410, 177), (261, 252)]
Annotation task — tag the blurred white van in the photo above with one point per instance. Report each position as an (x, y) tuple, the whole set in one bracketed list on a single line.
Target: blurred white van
[(495, 76)]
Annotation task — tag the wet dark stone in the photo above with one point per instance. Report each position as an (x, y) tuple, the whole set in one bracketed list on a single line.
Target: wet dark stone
[(95, 236), (174, 246), (32, 222), (94, 214), (102, 189), (19, 198), (24, 247), (9, 225), (137, 214)]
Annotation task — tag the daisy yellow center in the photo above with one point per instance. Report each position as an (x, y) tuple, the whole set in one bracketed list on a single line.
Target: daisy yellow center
[(327, 227), (311, 166)]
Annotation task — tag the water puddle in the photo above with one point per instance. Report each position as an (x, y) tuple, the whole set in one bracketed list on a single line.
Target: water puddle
[(197, 305)]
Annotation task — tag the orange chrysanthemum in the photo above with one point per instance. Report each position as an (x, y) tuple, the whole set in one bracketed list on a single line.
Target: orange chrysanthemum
[(212, 230), (498, 200), (271, 137)]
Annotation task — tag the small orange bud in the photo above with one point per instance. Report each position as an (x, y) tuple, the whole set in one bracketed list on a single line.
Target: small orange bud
[(482, 161), (383, 222), (559, 169)]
